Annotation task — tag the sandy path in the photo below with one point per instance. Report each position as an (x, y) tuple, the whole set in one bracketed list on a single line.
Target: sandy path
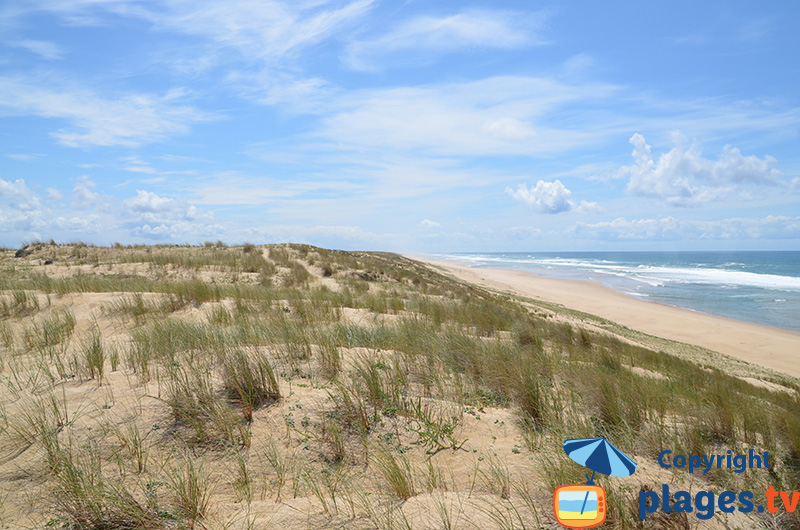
[(773, 348)]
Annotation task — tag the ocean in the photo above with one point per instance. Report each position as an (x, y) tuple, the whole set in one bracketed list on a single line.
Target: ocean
[(762, 287)]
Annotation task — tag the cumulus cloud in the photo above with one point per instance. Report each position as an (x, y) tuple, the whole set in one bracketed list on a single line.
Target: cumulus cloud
[(683, 177), (146, 201), (91, 213), (22, 214), (550, 197), (545, 197), (178, 230), (53, 194), (83, 198), (152, 208), (18, 195)]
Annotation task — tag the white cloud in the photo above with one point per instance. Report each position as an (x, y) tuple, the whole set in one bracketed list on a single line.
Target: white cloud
[(682, 177), (429, 36), (90, 213), (22, 213), (545, 197), (523, 232), (146, 201), (48, 50), (622, 228), (129, 119), (22, 157), (178, 231), (52, 194), (137, 165), (83, 198), (266, 30), (73, 12), (492, 116), (509, 128), (427, 223), (588, 207), (18, 195), (672, 229), (150, 207), (331, 236), (153, 180), (264, 36)]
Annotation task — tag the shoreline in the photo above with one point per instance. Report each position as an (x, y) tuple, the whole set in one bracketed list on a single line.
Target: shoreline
[(773, 348)]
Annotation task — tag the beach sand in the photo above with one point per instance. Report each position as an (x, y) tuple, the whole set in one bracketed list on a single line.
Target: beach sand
[(773, 348)]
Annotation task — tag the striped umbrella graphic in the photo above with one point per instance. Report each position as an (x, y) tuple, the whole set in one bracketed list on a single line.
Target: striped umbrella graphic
[(599, 455)]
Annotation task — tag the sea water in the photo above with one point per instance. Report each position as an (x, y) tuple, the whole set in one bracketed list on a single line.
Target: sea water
[(759, 286), (577, 504)]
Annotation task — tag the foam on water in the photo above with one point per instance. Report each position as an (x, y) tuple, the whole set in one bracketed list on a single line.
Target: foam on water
[(721, 277), (732, 284)]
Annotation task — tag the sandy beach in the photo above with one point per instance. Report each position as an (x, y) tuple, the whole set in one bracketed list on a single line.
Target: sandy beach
[(772, 348)]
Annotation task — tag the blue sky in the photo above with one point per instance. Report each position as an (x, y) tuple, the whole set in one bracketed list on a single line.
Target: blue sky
[(408, 126)]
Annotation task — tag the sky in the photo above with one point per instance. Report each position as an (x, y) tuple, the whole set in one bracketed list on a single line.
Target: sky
[(406, 126)]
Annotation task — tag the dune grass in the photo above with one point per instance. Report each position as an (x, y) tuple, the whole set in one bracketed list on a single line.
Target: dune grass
[(269, 373)]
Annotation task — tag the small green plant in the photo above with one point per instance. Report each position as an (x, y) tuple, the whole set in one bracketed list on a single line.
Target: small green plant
[(436, 432)]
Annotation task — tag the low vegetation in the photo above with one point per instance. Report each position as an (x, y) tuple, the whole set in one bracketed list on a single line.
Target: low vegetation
[(290, 386)]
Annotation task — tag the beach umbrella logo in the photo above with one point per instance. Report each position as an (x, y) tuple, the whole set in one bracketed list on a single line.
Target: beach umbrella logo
[(585, 505)]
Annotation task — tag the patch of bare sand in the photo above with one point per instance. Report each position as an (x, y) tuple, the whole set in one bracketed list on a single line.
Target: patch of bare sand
[(773, 348)]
